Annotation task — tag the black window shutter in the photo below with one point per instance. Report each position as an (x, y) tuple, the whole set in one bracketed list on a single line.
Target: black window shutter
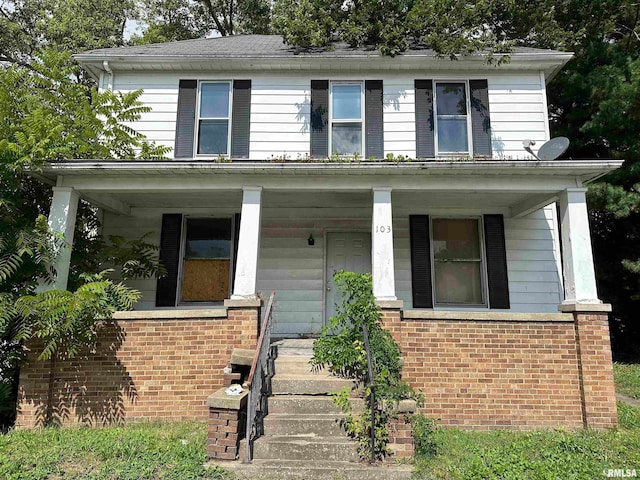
[(186, 119), (241, 118), (319, 118), (420, 261), (374, 139), (480, 118), (425, 139), (496, 253), (236, 237), (167, 286)]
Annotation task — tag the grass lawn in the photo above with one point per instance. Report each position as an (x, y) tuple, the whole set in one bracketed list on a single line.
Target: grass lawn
[(139, 451), (540, 455), (177, 450), (627, 377)]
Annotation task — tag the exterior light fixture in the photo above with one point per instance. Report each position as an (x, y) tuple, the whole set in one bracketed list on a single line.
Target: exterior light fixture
[(311, 241)]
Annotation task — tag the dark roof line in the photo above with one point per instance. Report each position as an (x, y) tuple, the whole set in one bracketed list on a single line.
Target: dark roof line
[(257, 46)]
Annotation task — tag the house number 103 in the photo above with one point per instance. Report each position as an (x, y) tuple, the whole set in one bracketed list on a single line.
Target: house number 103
[(383, 228)]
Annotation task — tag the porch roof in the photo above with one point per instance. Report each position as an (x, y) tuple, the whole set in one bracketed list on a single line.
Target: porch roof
[(586, 170)]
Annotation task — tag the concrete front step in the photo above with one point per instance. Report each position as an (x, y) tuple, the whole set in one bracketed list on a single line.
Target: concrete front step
[(327, 425), (293, 384), (303, 447), (296, 365), (322, 470), (306, 405)]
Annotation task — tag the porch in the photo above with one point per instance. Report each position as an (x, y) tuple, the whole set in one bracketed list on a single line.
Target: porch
[(284, 222), (508, 358)]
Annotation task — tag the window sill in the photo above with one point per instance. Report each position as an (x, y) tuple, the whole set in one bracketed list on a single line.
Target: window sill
[(486, 316), (172, 314)]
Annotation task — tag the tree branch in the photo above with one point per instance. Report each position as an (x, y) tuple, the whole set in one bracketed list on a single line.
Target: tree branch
[(214, 15), (635, 23), (630, 30), (11, 20), (15, 61)]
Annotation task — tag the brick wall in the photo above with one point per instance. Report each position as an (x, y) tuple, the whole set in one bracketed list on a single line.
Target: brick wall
[(596, 370), (517, 374), (141, 369), (223, 434)]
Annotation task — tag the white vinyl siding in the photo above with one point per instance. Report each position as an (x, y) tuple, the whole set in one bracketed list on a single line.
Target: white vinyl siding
[(296, 271), (399, 116), (281, 105)]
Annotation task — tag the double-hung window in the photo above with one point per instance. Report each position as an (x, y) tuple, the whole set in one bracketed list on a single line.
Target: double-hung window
[(452, 118), (457, 261), (213, 121), (347, 118)]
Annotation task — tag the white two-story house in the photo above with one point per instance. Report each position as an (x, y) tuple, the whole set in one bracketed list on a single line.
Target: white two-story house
[(287, 166)]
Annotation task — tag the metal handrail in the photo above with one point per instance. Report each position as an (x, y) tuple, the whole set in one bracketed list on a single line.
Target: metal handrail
[(372, 396), (258, 385)]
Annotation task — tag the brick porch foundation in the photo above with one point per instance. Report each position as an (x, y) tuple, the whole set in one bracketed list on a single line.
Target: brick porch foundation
[(596, 370), (477, 369), (146, 365), (485, 370)]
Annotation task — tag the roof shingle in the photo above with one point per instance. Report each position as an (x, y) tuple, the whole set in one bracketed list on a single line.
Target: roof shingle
[(253, 46)]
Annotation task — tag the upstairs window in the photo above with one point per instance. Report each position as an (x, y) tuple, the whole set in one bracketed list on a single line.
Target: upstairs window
[(214, 107), (452, 118), (346, 118)]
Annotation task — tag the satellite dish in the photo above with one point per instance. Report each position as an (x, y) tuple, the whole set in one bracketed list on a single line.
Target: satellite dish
[(553, 148)]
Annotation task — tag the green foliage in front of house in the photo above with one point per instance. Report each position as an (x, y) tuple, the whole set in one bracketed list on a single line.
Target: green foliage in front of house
[(341, 349)]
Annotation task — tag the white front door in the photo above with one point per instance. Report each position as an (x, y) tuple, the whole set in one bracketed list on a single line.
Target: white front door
[(349, 251)]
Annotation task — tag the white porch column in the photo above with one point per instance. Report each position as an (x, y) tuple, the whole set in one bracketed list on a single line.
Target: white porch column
[(62, 219), (248, 244), (384, 287), (577, 256)]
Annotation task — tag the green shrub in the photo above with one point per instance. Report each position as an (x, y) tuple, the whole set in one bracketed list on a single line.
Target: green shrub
[(341, 349), (423, 429)]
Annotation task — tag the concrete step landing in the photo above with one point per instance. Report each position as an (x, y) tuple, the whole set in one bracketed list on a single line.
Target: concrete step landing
[(307, 405), (307, 384), (316, 470), (288, 424), (311, 447)]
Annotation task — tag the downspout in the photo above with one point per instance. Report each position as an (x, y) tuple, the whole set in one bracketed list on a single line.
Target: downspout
[(107, 68)]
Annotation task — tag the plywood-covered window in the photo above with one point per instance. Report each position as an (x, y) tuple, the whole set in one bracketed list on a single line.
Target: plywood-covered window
[(207, 260)]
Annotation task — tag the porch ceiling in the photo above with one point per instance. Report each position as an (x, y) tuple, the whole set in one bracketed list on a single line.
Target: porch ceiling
[(520, 186), (313, 199)]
